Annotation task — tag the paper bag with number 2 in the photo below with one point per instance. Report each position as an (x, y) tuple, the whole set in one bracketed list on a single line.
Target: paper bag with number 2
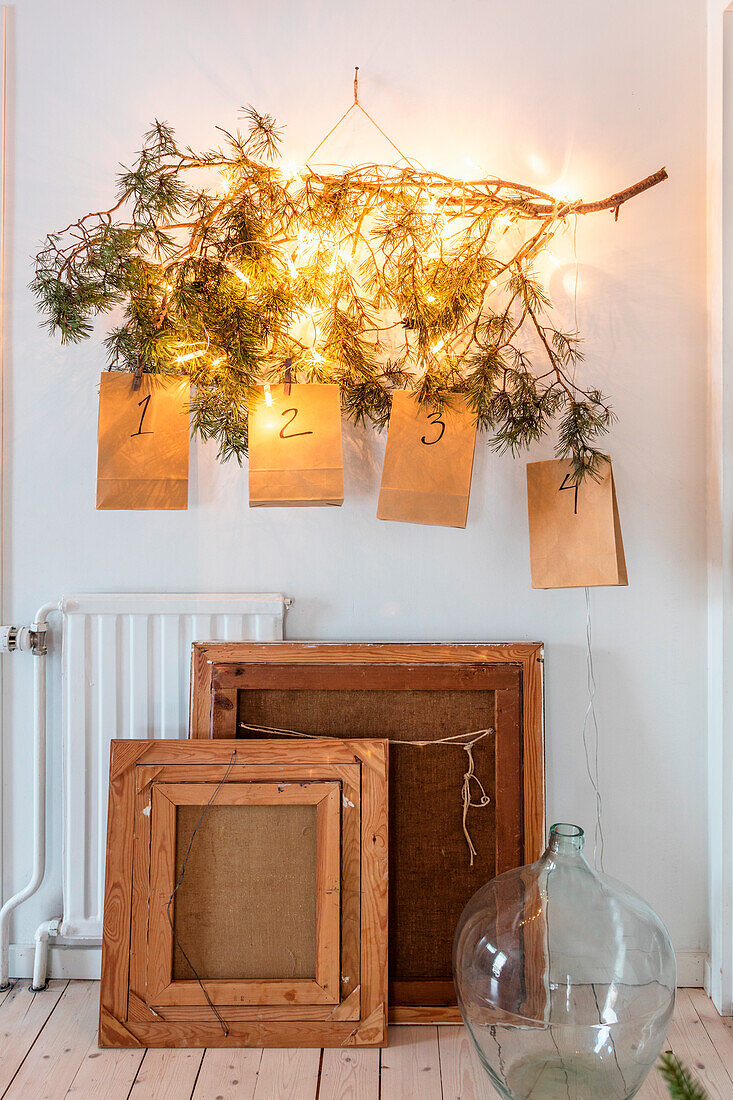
[(574, 529), (295, 455), (142, 456), (428, 463)]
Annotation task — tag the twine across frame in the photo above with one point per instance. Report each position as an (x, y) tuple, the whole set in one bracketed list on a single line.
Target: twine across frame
[(466, 741)]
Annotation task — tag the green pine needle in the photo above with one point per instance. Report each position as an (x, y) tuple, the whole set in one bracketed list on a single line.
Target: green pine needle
[(370, 278), (681, 1084)]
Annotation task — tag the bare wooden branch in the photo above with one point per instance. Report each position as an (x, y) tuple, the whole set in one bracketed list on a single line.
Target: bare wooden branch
[(613, 202)]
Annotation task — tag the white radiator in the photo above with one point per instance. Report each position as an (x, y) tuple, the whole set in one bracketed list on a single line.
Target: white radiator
[(125, 673)]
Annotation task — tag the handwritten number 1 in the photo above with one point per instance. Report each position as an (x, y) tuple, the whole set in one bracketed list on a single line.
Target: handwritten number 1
[(575, 486), (145, 401), (292, 435), (434, 419)]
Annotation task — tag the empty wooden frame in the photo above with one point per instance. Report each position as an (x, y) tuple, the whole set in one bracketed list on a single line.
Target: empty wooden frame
[(407, 693), (245, 894)]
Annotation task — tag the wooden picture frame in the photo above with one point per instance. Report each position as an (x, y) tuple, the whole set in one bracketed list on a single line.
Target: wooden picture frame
[(143, 1003), (324, 988), (228, 676)]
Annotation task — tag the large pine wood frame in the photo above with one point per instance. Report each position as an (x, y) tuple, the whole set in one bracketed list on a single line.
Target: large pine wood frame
[(344, 1003), (224, 673)]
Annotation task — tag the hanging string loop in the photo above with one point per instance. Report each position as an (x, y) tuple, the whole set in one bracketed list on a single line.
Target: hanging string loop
[(346, 113)]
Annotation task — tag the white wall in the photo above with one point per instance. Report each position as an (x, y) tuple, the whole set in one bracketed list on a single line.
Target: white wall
[(600, 94)]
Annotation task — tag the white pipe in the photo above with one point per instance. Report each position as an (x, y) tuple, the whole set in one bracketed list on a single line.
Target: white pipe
[(39, 797), (40, 959)]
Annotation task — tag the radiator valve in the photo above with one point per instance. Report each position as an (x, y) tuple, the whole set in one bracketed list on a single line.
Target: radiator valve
[(17, 637)]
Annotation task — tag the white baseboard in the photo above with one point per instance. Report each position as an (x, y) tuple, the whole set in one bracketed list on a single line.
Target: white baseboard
[(691, 969), (64, 961), (73, 961)]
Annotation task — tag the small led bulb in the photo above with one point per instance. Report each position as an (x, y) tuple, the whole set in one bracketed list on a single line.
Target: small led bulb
[(268, 395)]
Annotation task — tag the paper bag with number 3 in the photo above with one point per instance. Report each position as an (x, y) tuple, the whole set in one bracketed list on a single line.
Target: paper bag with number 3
[(428, 463), (142, 457), (295, 454), (574, 529)]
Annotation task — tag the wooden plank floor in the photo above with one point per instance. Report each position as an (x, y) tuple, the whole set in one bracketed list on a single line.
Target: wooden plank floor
[(48, 1051)]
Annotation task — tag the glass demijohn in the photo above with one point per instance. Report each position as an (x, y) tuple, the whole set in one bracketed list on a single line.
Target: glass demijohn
[(566, 979)]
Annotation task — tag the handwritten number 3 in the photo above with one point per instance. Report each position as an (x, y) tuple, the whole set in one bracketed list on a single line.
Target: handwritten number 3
[(434, 419), (291, 435), (145, 401)]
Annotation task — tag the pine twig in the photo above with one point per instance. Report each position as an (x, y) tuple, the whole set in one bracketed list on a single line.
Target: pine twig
[(372, 278), (680, 1082)]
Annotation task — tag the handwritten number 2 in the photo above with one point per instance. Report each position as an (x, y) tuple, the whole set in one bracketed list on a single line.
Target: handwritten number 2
[(573, 485), (145, 402), (286, 425), (434, 419)]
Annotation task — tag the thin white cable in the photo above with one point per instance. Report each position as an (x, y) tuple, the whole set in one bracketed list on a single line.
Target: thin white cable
[(590, 721), (577, 272), (575, 292)]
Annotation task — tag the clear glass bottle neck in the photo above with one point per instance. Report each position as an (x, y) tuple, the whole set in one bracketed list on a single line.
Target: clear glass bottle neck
[(566, 840)]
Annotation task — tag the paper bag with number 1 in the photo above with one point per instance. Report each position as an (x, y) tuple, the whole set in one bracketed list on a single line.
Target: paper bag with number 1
[(143, 442), (426, 477), (574, 528), (295, 454)]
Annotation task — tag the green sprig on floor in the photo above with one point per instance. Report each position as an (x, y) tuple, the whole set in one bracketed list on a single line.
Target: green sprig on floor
[(680, 1082)]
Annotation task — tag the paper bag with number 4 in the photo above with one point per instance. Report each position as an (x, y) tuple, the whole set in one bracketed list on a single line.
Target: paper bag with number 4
[(142, 456), (574, 529), (295, 455), (428, 463)]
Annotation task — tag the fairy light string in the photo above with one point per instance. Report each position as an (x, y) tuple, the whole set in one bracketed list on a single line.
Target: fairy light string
[(591, 739), (374, 277)]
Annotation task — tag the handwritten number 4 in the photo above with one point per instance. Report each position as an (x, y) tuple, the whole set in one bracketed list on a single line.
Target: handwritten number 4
[(434, 419), (573, 485), (145, 402), (291, 435)]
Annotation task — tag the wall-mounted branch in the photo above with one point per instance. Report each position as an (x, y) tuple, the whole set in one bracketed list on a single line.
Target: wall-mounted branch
[(613, 202), (372, 277)]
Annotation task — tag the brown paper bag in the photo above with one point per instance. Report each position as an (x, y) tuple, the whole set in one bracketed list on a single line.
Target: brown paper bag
[(426, 477), (574, 530), (142, 457), (295, 455)]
